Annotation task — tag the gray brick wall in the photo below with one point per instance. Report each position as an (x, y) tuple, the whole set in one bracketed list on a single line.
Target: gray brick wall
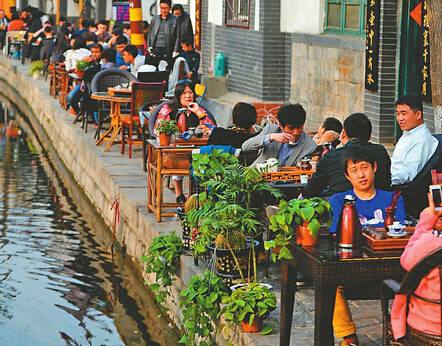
[(100, 11), (256, 60), (379, 106)]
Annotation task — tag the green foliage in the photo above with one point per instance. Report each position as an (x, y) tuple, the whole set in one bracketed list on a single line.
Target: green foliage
[(169, 127), (82, 65), (232, 186), (162, 257), (245, 304), (200, 304), (36, 66), (314, 212), (208, 165)]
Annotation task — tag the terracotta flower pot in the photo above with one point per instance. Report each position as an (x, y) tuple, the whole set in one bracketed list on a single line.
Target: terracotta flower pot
[(80, 73), (255, 327), (164, 139), (303, 236)]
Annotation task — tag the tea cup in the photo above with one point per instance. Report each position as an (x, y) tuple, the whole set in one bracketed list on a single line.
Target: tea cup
[(396, 228), (304, 178)]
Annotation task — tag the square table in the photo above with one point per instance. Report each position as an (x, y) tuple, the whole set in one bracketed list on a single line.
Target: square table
[(360, 272), (156, 172)]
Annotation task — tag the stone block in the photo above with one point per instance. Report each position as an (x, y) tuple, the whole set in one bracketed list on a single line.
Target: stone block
[(216, 86)]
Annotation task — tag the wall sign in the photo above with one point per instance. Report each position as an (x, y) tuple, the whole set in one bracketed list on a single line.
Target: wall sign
[(372, 45)]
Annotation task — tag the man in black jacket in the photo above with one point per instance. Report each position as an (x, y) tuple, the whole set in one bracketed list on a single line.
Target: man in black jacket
[(329, 178), (163, 38)]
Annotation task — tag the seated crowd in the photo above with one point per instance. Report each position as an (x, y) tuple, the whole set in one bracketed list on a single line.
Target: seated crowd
[(355, 166)]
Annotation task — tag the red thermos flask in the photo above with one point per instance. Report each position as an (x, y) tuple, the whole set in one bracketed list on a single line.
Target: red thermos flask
[(349, 231)]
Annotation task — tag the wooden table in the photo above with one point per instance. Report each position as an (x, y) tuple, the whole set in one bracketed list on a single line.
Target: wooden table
[(360, 273), (115, 114), (121, 91), (156, 173)]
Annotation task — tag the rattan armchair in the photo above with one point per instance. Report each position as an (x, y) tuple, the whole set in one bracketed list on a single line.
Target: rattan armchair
[(408, 286), (104, 79)]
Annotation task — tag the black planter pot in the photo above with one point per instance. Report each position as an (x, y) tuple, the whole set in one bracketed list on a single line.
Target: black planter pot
[(187, 240), (226, 264)]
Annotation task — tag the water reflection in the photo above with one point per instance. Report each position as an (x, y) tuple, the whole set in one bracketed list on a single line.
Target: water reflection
[(62, 282)]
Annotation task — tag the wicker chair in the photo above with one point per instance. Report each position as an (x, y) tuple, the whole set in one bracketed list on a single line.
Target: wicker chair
[(110, 77), (141, 94), (411, 281)]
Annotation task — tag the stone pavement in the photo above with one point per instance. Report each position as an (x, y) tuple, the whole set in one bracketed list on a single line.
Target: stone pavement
[(106, 175)]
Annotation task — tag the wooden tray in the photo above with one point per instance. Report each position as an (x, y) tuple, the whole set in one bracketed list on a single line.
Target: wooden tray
[(287, 173), (192, 141), (389, 243)]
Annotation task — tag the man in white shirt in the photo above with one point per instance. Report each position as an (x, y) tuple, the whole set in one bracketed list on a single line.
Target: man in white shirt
[(130, 55), (416, 145)]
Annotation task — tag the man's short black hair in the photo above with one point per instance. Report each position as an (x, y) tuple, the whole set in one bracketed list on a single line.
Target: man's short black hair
[(121, 40), (117, 31), (104, 22), (86, 23), (90, 37), (187, 40), (132, 50), (97, 45), (357, 153), (332, 124), (357, 125), (411, 100), (166, 2), (244, 115), (49, 29), (291, 114), (62, 19), (178, 7), (109, 54)]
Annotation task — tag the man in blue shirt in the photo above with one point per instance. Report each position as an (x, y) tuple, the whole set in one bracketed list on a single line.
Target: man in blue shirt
[(359, 166)]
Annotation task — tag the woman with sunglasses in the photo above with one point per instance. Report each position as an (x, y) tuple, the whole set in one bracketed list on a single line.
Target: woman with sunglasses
[(197, 116)]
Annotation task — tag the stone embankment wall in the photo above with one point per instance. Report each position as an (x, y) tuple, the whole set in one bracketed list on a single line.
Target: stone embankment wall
[(103, 176)]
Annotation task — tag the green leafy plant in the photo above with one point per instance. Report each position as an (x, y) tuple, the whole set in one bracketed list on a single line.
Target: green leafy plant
[(82, 64), (169, 127), (296, 212), (36, 66), (246, 303), (162, 257), (231, 219), (200, 304)]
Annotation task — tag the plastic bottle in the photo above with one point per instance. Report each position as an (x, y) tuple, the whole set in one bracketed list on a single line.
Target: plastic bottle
[(211, 68)]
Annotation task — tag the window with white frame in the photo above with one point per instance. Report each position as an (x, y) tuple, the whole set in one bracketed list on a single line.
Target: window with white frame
[(346, 17), (238, 13)]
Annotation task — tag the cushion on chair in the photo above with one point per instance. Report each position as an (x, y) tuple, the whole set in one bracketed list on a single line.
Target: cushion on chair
[(174, 161)]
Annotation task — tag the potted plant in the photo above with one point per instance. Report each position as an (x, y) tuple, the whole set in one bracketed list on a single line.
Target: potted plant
[(162, 257), (165, 129), (302, 217), (247, 306), (200, 305), (81, 66), (36, 67)]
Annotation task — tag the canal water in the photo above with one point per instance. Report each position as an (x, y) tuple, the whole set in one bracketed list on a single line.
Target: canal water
[(62, 279)]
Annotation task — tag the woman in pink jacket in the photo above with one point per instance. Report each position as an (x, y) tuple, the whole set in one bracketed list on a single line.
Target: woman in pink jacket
[(422, 316)]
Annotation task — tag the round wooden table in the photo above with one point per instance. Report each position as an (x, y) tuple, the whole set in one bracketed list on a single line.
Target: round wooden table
[(115, 114)]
